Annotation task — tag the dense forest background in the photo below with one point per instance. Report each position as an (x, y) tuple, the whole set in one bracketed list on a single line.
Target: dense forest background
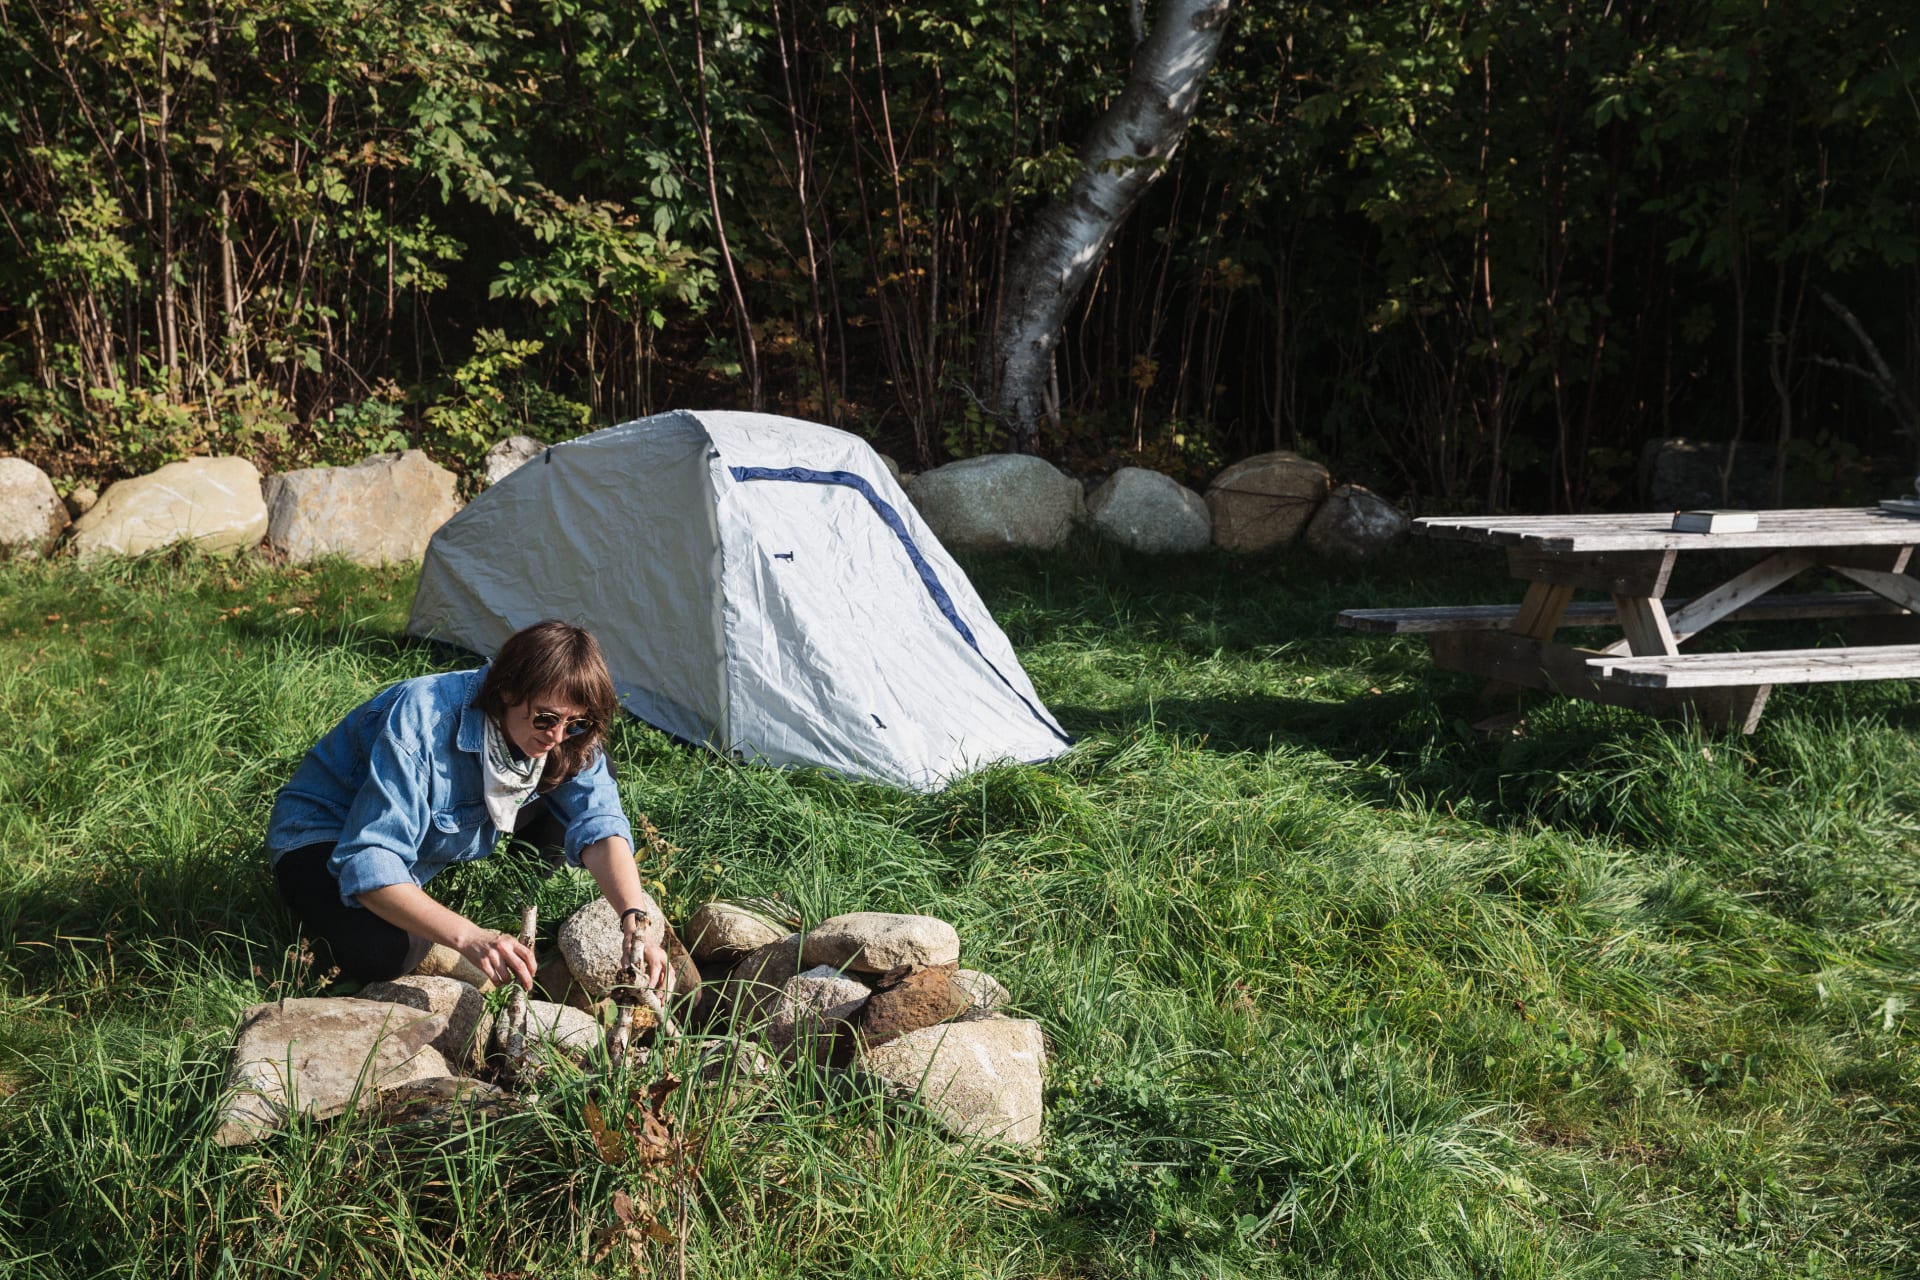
[(1474, 252)]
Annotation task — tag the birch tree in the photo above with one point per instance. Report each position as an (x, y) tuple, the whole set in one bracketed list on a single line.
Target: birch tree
[(1127, 151)]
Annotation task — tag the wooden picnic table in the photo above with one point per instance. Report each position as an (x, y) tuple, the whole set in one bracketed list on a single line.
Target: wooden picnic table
[(1629, 559)]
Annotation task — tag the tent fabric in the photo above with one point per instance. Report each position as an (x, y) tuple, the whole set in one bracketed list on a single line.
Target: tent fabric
[(759, 584)]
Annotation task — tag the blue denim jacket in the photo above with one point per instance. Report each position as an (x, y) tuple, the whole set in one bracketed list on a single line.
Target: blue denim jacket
[(398, 787)]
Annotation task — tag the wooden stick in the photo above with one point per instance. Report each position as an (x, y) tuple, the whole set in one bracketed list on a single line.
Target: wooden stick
[(629, 991), (516, 1035)]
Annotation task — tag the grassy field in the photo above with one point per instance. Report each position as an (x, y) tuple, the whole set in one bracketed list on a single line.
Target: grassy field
[(1333, 984)]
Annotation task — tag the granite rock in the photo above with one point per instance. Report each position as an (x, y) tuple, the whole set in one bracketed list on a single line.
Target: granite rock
[(1265, 501), (981, 1078), (380, 510), (555, 1028), (214, 503), (31, 513), (984, 992), (469, 1026), (814, 1006), (721, 932), (1147, 511), (592, 942), (755, 983), (998, 502), (509, 455), (1355, 523), (876, 941), (321, 1057)]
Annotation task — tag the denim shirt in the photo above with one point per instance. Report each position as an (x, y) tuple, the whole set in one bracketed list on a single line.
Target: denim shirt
[(398, 788)]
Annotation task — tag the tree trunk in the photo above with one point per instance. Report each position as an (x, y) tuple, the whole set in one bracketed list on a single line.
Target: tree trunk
[(1129, 148)]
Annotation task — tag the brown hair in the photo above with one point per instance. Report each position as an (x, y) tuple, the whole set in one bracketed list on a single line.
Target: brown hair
[(554, 660)]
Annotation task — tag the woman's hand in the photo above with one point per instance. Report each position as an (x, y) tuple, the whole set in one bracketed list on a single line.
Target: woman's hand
[(653, 964), (648, 956), (499, 956), (611, 862)]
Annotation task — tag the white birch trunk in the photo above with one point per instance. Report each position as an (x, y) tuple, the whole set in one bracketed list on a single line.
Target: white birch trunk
[(1128, 150)]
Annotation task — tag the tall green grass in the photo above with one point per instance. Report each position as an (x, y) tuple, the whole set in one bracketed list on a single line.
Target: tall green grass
[(1333, 984)]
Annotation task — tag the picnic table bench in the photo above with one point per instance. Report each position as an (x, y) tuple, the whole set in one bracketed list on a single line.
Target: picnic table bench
[(1629, 559)]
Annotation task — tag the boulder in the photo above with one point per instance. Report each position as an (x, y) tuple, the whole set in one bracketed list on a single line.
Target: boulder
[(984, 992), (1677, 473), (982, 1078), (1355, 523), (82, 499), (554, 981), (442, 961), (997, 502), (1265, 501), (592, 942), (721, 933), (31, 513), (380, 510), (755, 983), (876, 941), (893, 468), (469, 1026), (213, 503), (554, 1028), (686, 974), (910, 998), (509, 455), (815, 1005), (1150, 512), (320, 1057)]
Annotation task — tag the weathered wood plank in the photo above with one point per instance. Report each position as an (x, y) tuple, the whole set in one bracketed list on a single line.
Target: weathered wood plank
[(1653, 531), (1601, 613), (1540, 612), (1897, 587), (1619, 574), (1780, 666), (1645, 622), (1507, 659)]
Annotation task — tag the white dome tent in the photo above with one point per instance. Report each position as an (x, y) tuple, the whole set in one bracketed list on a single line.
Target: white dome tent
[(759, 584)]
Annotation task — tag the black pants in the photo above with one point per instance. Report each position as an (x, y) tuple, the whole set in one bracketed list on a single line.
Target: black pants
[(367, 948)]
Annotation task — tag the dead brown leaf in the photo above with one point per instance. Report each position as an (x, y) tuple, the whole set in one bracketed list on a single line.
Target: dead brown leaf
[(606, 1140)]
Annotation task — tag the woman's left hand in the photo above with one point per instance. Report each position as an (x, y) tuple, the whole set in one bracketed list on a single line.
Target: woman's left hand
[(653, 964)]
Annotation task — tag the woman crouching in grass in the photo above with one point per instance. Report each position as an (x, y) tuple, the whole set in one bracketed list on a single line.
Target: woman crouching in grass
[(431, 772)]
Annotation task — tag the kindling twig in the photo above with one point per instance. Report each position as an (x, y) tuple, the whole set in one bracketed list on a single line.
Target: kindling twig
[(629, 992), (515, 1038)]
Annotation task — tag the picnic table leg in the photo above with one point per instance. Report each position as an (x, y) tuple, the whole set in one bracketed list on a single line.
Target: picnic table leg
[(1736, 707), (1729, 597), (1544, 605), (1644, 619), (1649, 631)]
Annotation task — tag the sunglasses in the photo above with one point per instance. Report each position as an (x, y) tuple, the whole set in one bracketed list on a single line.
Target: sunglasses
[(543, 722)]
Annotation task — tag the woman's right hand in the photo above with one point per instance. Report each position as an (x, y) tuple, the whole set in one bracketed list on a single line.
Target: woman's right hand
[(500, 956)]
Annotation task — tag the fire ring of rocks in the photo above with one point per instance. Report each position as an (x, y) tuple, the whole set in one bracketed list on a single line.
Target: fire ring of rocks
[(877, 994)]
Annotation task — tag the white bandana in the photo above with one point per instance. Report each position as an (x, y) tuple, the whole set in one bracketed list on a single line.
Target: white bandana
[(510, 782)]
